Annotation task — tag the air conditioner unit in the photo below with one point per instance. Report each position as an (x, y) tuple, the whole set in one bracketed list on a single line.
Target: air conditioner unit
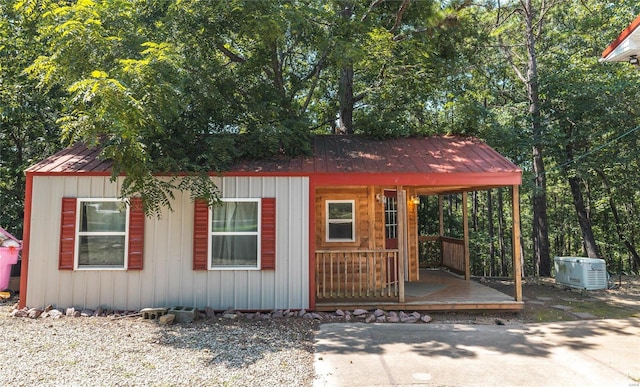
[(581, 273)]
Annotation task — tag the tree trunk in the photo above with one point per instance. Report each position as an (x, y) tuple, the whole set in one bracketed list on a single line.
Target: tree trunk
[(589, 240), (492, 247), (501, 242), (618, 223), (540, 222), (345, 117)]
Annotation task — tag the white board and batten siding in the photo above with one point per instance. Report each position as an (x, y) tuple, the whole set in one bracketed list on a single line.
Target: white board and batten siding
[(168, 278)]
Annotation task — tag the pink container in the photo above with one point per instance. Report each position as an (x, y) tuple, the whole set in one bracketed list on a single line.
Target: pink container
[(8, 257)]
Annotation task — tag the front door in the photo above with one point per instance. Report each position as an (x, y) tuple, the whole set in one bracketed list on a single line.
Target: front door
[(391, 231)]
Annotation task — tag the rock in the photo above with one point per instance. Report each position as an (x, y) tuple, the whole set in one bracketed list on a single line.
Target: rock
[(44, 314), (402, 314), (99, 312), (70, 311), (87, 312), (381, 319), (55, 313), (48, 308), (307, 316), (378, 312), (426, 318), (167, 319), (18, 313), (16, 306), (277, 314), (210, 312), (77, 313), (302, 312), (34, 313), (416, 315), (290, 314), (230, 316), (370, 319), (393, 319), (500, 321), (360, 312), (408, 320), (340, 313), (392, 314), (316, 316), (347, 317)]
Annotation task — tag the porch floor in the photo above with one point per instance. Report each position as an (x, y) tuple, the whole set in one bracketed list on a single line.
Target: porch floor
[(437, 290)]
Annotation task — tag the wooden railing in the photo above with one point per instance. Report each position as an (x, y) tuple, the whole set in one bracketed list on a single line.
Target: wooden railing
[(453, 254), (357, 274)]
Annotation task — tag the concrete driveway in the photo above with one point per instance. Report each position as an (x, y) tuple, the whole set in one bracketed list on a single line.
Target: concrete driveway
[(576, 353)]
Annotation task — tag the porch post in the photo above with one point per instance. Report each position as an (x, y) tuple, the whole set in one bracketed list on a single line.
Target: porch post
[(441, 224), (517, 270), (402, 240), (465, 228)]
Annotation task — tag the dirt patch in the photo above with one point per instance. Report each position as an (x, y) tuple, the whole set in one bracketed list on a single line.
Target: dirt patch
[(545, 301)]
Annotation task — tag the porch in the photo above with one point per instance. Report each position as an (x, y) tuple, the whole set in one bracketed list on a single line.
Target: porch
[(436, 290)]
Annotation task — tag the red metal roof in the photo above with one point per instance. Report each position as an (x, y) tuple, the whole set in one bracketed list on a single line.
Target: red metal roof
[(617, 51), (344, 160)]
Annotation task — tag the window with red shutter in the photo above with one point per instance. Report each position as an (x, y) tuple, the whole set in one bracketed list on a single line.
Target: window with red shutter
[(235, 235), (94, 234)]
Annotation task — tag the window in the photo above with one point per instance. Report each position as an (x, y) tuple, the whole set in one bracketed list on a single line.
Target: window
[(235, 234), (101, 234), (340, 221)]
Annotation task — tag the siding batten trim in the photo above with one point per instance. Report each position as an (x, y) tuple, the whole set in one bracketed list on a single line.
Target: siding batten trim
[(136, 234)]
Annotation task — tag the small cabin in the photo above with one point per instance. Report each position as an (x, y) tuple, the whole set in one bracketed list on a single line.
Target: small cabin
[(334, 229)]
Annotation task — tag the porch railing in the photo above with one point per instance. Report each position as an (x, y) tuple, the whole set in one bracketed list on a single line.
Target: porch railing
[(453, 253), (357, 274)]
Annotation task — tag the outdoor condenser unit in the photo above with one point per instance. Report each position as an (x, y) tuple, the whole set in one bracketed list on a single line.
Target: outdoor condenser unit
[(581, 273)]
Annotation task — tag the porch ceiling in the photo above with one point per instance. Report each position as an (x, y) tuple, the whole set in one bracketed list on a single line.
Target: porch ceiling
[(625, 45)]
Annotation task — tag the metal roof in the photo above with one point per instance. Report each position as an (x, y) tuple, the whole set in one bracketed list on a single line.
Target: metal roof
[(341, 159), (625, 45)]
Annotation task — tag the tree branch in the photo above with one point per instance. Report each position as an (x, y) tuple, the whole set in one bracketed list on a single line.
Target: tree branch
[(399, 14), (374, 4), (232, 56)]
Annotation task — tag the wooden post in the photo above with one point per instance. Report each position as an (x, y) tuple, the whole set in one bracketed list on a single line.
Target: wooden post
[(402, 240), (517, 270), (441, 224), (465, 228)]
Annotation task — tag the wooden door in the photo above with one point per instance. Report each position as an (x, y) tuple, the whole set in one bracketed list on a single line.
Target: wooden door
[(391, 231)]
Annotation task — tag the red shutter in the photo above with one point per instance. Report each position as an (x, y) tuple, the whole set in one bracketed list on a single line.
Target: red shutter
[(268, 237), (200, 235), (67, 234), (136, 234)]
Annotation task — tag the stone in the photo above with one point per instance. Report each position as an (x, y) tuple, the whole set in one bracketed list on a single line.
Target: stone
[(408, 320), (378, 312), (416, 315), (77, 313), (584, 315), (535, 302), (392, 314), (18, 313), (340, 313), (302, 312), (360, 312), (370, 319), (70, 311), (307, 316), (500, 321), (347, 317), (44, 314), (34, 313), (167, 319), (402, 315), (393, 319), (290, 314), (55, 313), (544, 298), (48, 308), (316, 316), (99, 312), (87, 312), (230, 316), (210, 312), (426, 318), (381, 319), (277, 314)]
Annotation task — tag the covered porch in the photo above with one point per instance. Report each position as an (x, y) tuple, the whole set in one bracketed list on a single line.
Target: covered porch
[(366, 245)]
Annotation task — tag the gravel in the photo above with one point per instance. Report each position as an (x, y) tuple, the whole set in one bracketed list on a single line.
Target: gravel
[(108, 351)]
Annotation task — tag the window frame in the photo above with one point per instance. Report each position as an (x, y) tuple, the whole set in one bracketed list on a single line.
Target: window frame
[(329, 221), (78, 234), (257, 233)]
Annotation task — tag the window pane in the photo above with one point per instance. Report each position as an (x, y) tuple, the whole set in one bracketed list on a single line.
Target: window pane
[(340, 210), (101, 250), (102, 217), (235, 217), (341, 231), (234, 250)]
